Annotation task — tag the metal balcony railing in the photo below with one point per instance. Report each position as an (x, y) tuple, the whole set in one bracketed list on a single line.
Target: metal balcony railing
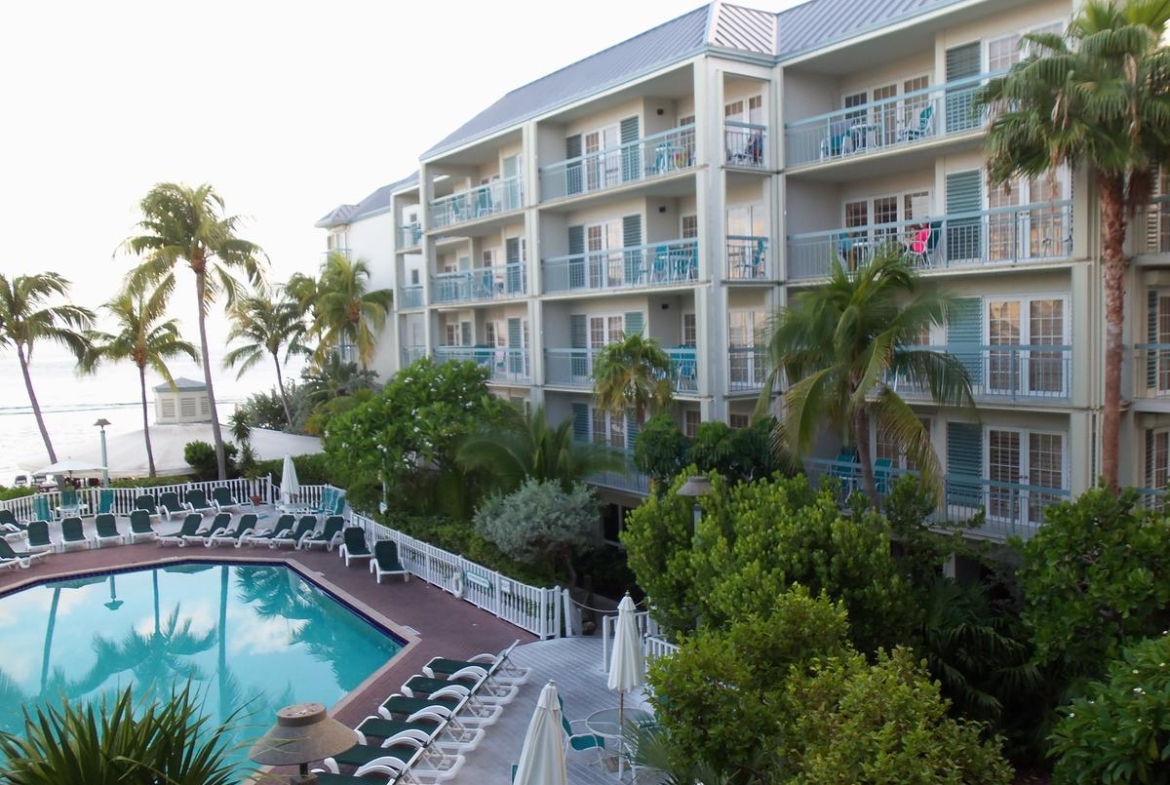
[(504, 365), (908, 119), (409, 235), (747, 368), (574, 368), (656, 264), (745, 144), (986, 238), (410, 296), (651, 156), (501, 196), (747, 258), (412, 353), (1014, 372), (1153, 368), (482, 283)]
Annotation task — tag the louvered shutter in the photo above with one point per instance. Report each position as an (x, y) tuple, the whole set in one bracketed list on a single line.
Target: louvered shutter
[(962, 61), (964, 464), (581, 432), (633, 323), (965, 335), (578, 342), (964, 235), (633, 428), (515, 346), (631, 150), (514, 276), (1150, 449), (573, 180), (632, 238), (1152, 355), (577, 264)]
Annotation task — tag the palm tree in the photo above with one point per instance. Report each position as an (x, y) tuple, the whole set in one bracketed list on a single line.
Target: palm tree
[(524, 446), (25, 319), (346, 312), (839, 343), (633, 373), (335, 378), (143, 339), (181, 224), (266, 326), (1099, 96)]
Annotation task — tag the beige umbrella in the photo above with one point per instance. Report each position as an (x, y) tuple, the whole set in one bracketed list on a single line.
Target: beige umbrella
[(627, 667), (542, 760)]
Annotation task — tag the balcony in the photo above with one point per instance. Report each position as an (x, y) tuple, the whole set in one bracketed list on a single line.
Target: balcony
[(501, 196), (747, 258), (1150, 229), (747, 369), (409, 235), (508, 366), (410, 297), (1005, 372), (573, 368), (481, 284), (1012, 509), (631, 480), (412, 353), (652, 156), (639, 266), (745, 145), (903, 121), (1153, 367), (987, 238)]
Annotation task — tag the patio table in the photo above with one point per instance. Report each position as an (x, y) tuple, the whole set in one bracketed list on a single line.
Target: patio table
[(605, 724)]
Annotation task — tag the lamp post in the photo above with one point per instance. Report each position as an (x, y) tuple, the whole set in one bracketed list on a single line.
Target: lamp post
[(102, 423), (696, 485), (114, 603), (303, 733), (384, 504)]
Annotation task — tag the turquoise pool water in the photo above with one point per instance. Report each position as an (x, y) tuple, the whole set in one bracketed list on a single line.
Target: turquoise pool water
[(257, 636)]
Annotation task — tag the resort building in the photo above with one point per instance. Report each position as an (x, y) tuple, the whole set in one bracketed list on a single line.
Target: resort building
[(686, 182)]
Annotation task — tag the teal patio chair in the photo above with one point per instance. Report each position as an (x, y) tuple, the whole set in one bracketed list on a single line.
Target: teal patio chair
[(105, 501), (41, 509)]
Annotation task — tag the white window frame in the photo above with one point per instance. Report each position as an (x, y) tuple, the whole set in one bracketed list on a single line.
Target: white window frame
[(1024, 463), (1025, 328)]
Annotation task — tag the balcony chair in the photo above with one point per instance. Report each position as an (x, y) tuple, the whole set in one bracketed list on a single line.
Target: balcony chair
[(920, 250), (752, 153), (839, 141), (924, 128)]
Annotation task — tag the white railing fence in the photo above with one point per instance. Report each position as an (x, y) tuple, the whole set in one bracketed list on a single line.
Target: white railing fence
[(32, 507), (647, 628)]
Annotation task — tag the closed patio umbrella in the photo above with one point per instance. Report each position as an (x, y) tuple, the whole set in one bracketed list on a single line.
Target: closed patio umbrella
[(289, 487), (627, 668), (542, 760)]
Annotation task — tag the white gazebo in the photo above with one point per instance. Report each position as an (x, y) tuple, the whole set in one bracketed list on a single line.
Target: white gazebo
[(186, 402)]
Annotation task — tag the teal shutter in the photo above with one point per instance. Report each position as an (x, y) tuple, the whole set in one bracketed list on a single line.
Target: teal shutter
[(1150, 448), (578, 341), (965, 335), (633, 428), (964, 464), (577, 264), (581, 432), (1152, 355), (573, 183), (633, 323), (513, 276), (962, 62), (631, 150), (964, 235), (515, 355), (632, 238)]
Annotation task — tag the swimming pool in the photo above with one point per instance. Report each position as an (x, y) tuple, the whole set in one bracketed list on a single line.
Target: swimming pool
[(259, 636)]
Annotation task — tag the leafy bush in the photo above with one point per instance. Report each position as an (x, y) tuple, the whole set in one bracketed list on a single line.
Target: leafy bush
[(660, 450), (200, 456), (150, 482), (853, 723), (15, 493), (1120, 731), (311, 469), (266, 410)]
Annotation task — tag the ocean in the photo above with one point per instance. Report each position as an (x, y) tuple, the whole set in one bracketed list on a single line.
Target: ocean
[(71, 404)]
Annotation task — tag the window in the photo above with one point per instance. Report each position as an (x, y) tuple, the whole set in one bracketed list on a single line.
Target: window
[(734, 110), (1006, 51), (690, 332), (414, 279), (608, 429), (187, 406), (747, 368), (739, 422), (1021, 465), (691, 420), (488, 257), (686, 119), (451, 335), (888, 448), (747, 220), (604, 330), (168, 408), (605, 269), (690, 226), (1157, 459), (603, 157), (1020, 327)]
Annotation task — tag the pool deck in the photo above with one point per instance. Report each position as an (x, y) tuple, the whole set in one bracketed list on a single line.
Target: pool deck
[(434, 623)]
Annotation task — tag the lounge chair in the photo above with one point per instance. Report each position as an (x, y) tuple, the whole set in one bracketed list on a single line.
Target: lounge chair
[(147, 503), (107, 530), (70, 505), (438, 724), (189, 530), (245, 526), (449, 702), (14, 558), (385, 561), (354, 545), (41, 509), (105, 501), (196, 501), (140, 528), (293, 537), (72, 534), (205, 533), (478, 684), (329, 537), (224, 501), (38, 537), (499, 666), (283, 524), (417, 756), (9, 526), (169, 504)]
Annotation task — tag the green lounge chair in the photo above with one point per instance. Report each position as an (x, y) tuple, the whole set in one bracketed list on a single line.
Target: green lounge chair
[(498, 666), (224, 501), (218, 523), (327, 537), (354, 545), (9, 525), (38, 537), (189, 529), (449, 702), (105, 501), (70, 504), (140, 528), (419, 757), (14, 558), (196, 501), (283, 524), (478, 683), (245, 526), (72, 534), (146, 502), (107, 530), (169, 504), (385, 561), (41, 509), (293, 537), (438, 725)]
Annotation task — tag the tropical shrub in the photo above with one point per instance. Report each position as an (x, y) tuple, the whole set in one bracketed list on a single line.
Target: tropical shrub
[(1120, 731), (200, 456), (15, 493), (660, 451)]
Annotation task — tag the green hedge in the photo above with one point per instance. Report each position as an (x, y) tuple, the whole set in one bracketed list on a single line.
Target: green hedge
[(15, 493)]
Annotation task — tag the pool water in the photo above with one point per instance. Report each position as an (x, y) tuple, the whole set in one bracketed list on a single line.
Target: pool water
[(256, 637)]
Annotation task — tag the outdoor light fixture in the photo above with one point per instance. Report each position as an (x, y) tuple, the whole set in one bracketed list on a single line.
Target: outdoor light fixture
[(102, 423), (696, 485), (303, 733)]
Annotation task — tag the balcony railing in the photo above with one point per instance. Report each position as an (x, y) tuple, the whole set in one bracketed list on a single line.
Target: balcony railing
[(986, 238), (747, 368), (904, 120), (1014, 372), (1153, 367), (1154, 499), (574, 368), (651, 156), (658, 264), (410, 297), (747, 258), (482, 283), (1012, 509), (745, 144), (631, 480), (409, 235), (1151, 228), (504, 365), (501, 196), (412, 353)]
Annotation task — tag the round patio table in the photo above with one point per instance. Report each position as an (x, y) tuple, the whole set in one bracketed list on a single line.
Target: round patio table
[(605, 724)]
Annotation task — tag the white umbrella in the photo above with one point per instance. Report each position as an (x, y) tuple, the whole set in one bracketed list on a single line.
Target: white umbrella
[(68, 466), (289, 487), (542, 760), (627, 668)]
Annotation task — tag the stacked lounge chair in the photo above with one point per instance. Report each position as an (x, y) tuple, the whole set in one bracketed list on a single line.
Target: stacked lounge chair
[(304, 528), (245, 526), (329, 537), (283, 524), (189, 529), (196, 501), (169, 504)]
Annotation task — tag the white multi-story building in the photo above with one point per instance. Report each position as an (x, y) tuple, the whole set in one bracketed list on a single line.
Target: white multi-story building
[(685, 182)]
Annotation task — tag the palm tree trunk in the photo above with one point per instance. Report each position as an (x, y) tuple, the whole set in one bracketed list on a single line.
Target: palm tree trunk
[(146, 420), (154, 586), (861, 437), (221, 664), (283, 394), (36, 407), (1114, 270), (216, 433), (46, 655)]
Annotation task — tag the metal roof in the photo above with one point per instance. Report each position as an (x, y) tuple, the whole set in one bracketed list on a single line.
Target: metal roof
[(747, 29), (819, 22), (182, 384), (375, 203)]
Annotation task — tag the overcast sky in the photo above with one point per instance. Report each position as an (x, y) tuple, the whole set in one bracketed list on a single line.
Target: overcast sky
[(287, 108)]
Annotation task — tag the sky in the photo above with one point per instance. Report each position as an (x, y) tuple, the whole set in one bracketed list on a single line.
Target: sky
[(287, 108)]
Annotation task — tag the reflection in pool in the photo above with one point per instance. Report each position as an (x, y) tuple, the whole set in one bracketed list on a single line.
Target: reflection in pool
[(250, 637)]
